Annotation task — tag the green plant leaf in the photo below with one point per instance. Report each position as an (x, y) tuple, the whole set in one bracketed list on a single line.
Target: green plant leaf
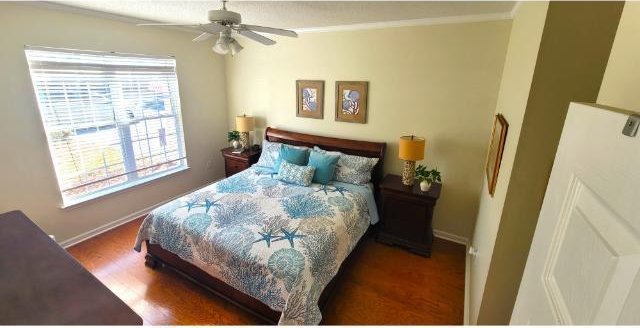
[(233, 135)]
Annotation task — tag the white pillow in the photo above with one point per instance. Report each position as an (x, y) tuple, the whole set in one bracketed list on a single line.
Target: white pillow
[(270, 152), (296, 174), (352, 169)]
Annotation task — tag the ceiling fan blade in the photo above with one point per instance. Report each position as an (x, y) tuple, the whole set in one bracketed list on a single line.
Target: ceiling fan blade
[(202, 37), (212, 28), (270, 30), (256, 37)]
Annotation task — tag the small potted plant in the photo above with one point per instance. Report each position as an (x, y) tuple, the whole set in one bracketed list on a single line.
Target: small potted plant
[(234, 138), (426, 177)]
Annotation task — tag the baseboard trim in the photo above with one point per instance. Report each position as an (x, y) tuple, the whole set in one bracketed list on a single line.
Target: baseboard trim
[(467, 282), (451, 237), (116, 223)]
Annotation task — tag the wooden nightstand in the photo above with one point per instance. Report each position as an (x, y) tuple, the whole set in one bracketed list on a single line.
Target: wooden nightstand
[(234, 163), (406, 214)]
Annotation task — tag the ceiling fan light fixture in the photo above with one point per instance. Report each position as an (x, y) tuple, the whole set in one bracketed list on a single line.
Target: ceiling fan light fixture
[(221, 47), (235, 47), (225, 22)]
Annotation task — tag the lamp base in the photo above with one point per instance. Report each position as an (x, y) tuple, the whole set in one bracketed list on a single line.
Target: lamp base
[(408, 173), (244, 140)]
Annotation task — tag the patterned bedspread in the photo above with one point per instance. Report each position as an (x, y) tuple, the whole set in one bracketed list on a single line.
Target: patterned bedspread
[(280, 243)]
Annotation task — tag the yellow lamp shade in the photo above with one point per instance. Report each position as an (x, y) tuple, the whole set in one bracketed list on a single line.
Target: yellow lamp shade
[(411, 148), (245, 123)]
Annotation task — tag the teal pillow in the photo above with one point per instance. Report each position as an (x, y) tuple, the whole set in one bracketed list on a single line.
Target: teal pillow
[(292, 155), (296, 174), (325, 165)]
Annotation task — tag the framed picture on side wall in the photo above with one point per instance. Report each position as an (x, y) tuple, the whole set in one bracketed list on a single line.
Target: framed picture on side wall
[(496, 147), (351, 101), (310, 98)]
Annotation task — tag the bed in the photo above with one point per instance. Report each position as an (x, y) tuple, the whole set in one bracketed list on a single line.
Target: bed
[(274, 249)]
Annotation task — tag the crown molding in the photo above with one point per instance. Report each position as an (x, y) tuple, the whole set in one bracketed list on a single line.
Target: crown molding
[(100, 14), (347, 27), (515, 9), (410, 22)]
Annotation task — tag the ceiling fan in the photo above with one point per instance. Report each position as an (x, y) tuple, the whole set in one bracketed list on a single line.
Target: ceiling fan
[(222, 23)]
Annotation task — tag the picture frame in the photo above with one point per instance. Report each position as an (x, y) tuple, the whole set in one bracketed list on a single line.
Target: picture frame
[(352, 101), (496, 148), (310, 98)]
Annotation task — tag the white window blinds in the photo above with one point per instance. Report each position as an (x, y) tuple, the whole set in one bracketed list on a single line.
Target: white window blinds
[(112, 120)]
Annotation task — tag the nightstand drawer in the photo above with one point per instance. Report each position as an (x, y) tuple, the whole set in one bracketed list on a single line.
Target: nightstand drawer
[(406, 215), (234, 166), (234, 163), (407, 220)]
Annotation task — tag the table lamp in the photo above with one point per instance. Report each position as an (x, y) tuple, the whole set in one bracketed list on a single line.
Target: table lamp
[(244, 125), (411, 150)]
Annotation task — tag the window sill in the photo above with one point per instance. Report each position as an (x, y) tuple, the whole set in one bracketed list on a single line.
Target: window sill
[(76, 202)]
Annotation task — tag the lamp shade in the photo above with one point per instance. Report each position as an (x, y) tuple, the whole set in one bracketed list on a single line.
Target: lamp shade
[(245, 123), (411, 148)]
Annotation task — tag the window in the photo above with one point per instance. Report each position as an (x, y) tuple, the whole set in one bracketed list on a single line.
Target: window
[(112, 120)]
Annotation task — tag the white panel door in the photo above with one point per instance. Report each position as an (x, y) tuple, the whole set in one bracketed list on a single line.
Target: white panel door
[(585, 257)]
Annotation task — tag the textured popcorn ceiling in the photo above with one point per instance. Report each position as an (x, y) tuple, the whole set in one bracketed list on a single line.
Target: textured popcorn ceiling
[(296, 14)]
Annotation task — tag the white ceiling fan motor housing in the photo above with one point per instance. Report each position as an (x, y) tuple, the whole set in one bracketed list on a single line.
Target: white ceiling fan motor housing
[(224, 16)]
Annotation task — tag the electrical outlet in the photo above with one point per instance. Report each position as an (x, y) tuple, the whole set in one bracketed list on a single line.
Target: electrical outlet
[(473, 251)]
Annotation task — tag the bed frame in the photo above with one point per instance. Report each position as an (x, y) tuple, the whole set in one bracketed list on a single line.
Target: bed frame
[(157, 257)]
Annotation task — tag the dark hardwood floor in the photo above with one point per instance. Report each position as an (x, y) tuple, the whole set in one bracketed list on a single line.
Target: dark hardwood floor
[(385, 285)]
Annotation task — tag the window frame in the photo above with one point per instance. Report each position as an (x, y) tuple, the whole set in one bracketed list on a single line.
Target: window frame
[(69, 202)]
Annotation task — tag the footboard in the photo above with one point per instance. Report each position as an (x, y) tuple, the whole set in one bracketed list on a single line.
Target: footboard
[(158, 257)]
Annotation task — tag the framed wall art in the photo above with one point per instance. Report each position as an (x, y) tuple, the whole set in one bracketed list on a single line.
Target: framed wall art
[(310, 98), (496, 147), (351, 101)]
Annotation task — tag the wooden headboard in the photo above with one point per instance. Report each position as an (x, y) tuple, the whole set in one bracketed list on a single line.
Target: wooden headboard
[(347, 146)]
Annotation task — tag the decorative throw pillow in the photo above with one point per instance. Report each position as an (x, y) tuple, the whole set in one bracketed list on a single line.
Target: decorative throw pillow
[(291, 154), (352, 169), (296, 174), (269, 155), (325, 165)]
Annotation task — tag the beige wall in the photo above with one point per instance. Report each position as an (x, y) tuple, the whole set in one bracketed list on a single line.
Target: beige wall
[(574, 49), (439, 82), (519, 66), (27, 178), (622, 77)]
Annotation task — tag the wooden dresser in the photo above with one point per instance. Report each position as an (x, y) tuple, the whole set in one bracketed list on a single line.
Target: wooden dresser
[(234, 163), (406, 214), (41, 284)]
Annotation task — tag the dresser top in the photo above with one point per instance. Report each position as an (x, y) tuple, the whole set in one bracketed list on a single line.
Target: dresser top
[(41, 284), (228, 152), (394, 183)]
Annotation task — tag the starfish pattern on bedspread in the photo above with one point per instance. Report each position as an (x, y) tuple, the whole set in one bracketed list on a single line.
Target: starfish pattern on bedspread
[(330, 188), (190, 204), (207, 204), (290, 236), (307, 233), (267, 237)]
